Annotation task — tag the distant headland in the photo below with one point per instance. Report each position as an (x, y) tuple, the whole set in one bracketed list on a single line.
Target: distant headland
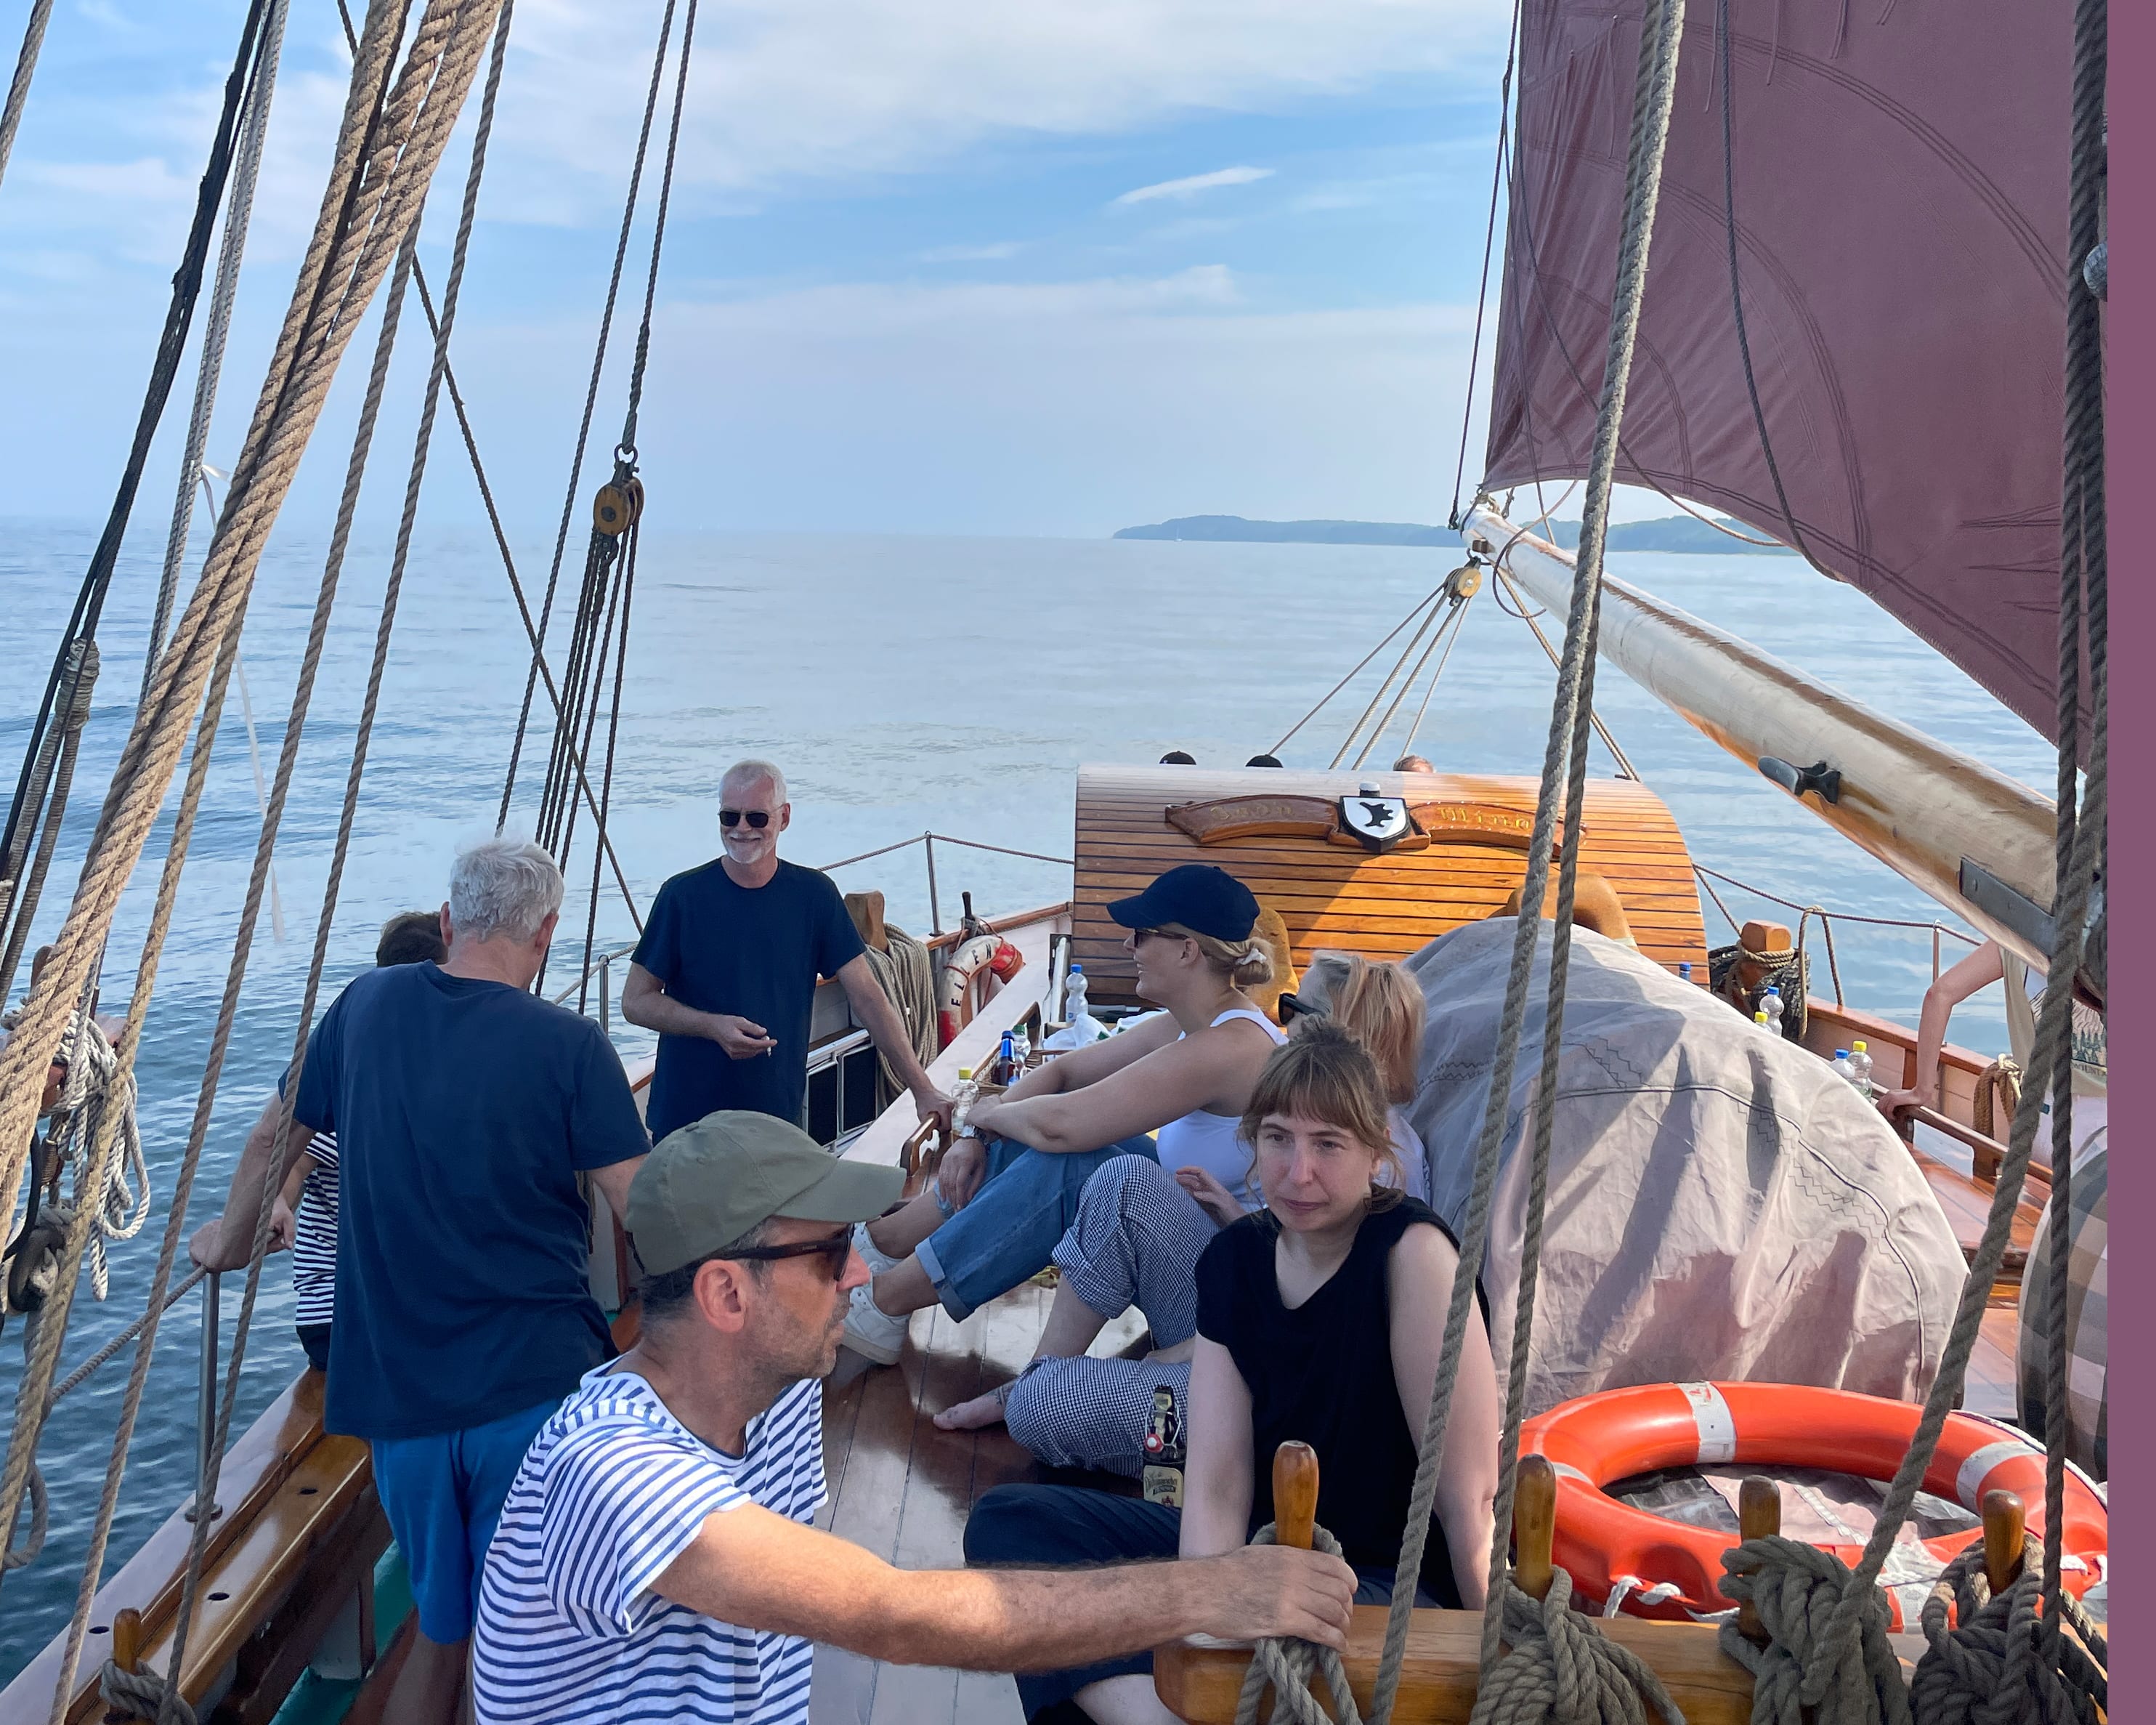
[(1672, 532)]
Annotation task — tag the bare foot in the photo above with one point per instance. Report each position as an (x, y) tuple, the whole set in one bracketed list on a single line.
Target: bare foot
[(983, 1411)]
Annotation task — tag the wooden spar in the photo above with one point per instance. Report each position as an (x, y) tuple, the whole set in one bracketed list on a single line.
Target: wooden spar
[(1918, 806)]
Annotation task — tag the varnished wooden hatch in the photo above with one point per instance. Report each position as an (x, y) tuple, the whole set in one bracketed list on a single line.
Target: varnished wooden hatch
[(1274, 830)]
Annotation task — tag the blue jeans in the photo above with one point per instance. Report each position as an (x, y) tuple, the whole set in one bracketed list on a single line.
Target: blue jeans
[(443, 1495), (1058, 1526), (1025, 1206)]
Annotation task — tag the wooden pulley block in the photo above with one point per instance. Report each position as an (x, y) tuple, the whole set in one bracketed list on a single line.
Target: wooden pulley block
[(617, 506), (1465, 582)]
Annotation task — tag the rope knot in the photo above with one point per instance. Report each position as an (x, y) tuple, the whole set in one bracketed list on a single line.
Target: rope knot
[(1796, 1589), (140, 1694), (1562, 1669), (1989, 1668), (1286, 1665)]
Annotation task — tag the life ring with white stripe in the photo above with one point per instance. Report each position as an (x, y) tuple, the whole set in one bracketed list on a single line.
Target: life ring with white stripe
[(1650, 1566), (962, 965)]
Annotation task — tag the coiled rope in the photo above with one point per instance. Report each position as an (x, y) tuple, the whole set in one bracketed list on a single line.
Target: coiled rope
[(1562, 1667), (1564, 761), (1286, 1665), (1800, 1677), (1991, 1667)]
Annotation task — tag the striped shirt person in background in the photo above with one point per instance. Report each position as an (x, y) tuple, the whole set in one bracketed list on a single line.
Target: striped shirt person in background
[(656, 1559), (305, 1215)]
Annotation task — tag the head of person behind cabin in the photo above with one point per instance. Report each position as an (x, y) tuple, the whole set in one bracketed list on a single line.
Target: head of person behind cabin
[(464, 1108), (657, 1556), (1319, 1319), (726, 970)]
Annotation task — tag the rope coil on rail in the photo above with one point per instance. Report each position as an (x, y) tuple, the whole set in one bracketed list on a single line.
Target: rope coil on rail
[(1562, 1669), (1989, 1668), (1285, 1664), (1800, 1675), (142, 1694)]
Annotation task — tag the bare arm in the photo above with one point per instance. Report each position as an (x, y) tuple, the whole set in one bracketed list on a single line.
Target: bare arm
[(765, 1572), (1200, 1071), (872, 1008), (1419, 1277), (1955, 984), (227, 1242), (614, 1180), (645, 1001), (1219, 1472)]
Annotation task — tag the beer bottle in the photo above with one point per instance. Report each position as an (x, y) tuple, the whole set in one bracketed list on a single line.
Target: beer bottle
[(1164, 1451)]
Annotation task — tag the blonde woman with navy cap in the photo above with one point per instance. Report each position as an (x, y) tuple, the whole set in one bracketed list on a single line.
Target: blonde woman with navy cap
[(1004, 1198)]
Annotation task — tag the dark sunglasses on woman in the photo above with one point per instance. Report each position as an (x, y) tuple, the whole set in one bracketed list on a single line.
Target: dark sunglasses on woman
[(734, 818)]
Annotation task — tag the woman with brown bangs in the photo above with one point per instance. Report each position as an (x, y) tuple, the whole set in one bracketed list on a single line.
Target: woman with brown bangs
[(1319, 1319), (1138, 1233)]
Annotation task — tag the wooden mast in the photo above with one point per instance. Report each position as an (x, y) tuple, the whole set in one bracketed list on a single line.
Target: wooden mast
[(1921, 808)]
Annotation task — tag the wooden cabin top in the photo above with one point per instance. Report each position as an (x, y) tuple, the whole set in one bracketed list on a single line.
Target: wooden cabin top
[(1278, 832)]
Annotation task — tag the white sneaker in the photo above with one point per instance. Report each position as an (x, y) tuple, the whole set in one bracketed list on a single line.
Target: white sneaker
[(872, 1332), (877, 1259)]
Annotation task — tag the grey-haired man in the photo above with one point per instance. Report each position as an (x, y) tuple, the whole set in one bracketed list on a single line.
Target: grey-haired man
[(655, 1554)]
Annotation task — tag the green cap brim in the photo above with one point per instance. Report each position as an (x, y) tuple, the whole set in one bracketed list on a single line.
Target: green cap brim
[(851, 1191)]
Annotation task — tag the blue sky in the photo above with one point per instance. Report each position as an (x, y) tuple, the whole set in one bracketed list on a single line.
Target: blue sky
[(1052, 266)]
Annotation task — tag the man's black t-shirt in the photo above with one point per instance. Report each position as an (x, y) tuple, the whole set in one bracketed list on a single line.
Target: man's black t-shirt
[(1322, 1375), (755, 952)]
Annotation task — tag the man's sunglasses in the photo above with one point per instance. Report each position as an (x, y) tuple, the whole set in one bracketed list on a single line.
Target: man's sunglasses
[(757, 818), (833, 1247)]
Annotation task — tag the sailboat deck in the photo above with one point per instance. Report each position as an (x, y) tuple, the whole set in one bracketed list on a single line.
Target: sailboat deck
[(902, 1489)]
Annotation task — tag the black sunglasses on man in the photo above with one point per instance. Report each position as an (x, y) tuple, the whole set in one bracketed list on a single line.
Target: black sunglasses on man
[(757, 818)]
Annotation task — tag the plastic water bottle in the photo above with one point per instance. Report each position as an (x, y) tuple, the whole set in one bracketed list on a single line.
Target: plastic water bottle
[(1860, 1063), (1770, 1003), (963, 1099), (1083, 1027), (1842, 1067), (1684, 970), (1760, 1019)]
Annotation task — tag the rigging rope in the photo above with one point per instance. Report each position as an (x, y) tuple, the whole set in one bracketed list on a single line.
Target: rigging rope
[(1991, 1667), (1407, 743), (1660, 32), (465, 33), (389, 141), (32, 788), (584, 426), (1428, 600), (262, 85), (1285, 1667), (1413, 641), (1489, 246), (57, 774), (26, 68)]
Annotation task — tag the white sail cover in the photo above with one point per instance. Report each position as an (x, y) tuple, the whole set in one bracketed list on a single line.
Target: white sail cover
[(1721, 1204)]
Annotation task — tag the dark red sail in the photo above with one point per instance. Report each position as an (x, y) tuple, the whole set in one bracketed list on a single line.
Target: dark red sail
[(1900, 197)]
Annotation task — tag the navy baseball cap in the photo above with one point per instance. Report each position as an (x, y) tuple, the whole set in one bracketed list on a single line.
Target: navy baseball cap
[(1201, 898)]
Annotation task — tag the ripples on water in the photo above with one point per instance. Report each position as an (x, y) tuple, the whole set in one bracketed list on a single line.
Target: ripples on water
[(903, 683)]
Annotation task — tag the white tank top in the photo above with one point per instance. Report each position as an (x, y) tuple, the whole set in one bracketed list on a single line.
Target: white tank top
[(1200, 1140)]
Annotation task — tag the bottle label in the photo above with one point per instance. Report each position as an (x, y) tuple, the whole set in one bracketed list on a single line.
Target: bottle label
[(1162, 1481)]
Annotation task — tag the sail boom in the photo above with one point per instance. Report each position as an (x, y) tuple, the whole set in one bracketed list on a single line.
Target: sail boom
[(1920, 807)]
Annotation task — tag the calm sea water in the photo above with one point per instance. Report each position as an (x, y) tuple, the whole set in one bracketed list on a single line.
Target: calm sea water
[(904, 684)]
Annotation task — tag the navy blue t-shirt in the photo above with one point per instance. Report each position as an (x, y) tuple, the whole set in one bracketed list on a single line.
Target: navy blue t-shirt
[(754, 951), (463, 1110)]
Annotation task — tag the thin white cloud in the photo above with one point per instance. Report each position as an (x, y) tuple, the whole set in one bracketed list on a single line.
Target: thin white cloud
[(1192, 185), (992, 253)]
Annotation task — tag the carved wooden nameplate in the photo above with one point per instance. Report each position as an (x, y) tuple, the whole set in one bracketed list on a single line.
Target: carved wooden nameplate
[(1222, 818)]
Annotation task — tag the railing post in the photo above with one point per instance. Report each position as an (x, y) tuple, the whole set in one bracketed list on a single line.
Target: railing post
[(1935, 952), (206, 1395), (935, 910)]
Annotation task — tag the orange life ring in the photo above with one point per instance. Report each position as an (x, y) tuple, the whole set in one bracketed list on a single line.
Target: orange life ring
[(1654, 1567)]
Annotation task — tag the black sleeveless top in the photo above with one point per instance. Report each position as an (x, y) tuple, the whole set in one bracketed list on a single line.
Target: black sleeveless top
[(1324, 1373)]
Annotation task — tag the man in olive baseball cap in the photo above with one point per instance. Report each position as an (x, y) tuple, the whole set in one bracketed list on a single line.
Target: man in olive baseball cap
[(659, 1539)]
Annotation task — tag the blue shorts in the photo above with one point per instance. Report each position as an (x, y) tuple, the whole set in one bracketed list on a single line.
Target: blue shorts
[(442, 1495)]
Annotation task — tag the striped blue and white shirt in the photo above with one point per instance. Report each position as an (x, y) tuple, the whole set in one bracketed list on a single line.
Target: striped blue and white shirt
[(314, 1235), (612, 1491)]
